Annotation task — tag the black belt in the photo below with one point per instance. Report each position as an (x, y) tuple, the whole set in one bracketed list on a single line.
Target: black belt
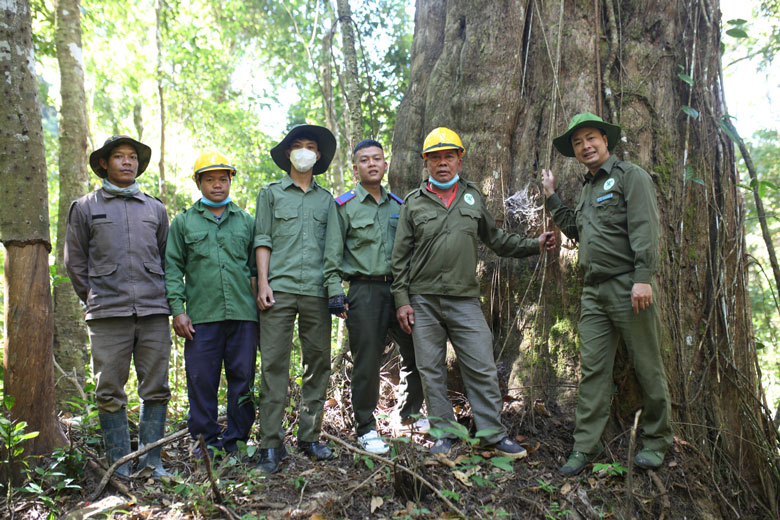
[(367, 278)]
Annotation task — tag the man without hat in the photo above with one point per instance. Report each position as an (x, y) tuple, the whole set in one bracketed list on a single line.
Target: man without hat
[(211, 247), (290, 226), (359, 250), (114, 253), (436, 289), (616, 224)]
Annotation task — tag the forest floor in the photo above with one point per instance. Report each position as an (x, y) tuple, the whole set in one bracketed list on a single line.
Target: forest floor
[(470, 482)]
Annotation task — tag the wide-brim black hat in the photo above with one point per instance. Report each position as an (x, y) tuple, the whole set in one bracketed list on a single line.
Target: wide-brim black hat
[(143, 151), (586, 119), (326, 144)]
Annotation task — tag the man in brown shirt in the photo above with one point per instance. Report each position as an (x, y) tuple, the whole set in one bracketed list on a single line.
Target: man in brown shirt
[(114, 254)]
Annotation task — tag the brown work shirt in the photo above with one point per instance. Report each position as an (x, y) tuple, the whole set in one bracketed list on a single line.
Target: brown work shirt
[(114, 254)]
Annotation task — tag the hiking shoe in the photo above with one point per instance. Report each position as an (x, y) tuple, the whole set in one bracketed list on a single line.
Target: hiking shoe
[(649, 459), (576, 463), (372, 443), (316, 450), (270, 458), (443, 446), (421, 425), (509, 448)]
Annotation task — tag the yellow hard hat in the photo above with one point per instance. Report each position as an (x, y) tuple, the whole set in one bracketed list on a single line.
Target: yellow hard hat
[(210, 161), (442, 139)]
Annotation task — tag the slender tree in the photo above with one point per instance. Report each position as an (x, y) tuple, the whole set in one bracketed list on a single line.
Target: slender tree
[(24, 231), (350, 72), (508, 76), (70, 335)]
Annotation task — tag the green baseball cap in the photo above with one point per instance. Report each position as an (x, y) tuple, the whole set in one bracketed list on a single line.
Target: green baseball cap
[(586, 120)]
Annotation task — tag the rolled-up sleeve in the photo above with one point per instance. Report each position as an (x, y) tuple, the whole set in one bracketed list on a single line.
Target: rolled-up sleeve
[(264, 219)]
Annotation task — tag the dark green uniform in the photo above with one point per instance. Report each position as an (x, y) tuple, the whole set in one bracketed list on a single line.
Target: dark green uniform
[(435, 270), (359, 250), (292, 223), (616, 224)]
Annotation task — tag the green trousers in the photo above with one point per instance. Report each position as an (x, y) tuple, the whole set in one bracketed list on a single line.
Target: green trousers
[(276, 330), (606, 317), (371, 317), (437, 318)]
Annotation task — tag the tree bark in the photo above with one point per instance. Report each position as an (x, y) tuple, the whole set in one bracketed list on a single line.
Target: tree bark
[(350, 73), (161, 94), (70, 334), (24, 231), (475, 69)]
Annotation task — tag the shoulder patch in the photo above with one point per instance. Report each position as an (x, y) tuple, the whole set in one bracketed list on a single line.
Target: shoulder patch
[(395, 197), (346, 197)]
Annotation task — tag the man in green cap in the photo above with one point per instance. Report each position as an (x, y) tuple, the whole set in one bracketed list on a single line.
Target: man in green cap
[(114, 254), (358, 250), (291, 219), (616, 224)]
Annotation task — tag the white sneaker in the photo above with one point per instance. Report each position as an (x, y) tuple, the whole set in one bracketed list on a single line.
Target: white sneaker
[(421, 425), (372, 443)]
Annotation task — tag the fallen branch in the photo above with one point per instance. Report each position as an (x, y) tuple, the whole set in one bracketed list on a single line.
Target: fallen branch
[(406, 470), (207, 462), (630, 464), (130, 456), (662, 490)]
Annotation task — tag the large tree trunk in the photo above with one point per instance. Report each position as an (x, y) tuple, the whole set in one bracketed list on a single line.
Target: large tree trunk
[(24, 231), (488, 71), (70, 333)]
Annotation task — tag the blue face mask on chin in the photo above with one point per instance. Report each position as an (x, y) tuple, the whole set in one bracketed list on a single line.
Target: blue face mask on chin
[(213, 204), (444, 185)]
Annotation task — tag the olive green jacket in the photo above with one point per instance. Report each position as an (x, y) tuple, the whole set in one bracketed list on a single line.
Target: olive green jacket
[(292, 223), (209, 265), (436, 247), (615, 222), (362, 243)]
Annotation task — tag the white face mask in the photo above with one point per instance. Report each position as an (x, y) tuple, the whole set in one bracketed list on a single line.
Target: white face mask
[(303, 159)]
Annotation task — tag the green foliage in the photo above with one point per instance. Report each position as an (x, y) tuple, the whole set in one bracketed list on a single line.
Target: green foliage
[(557, 512), (613, 469), (547, 487), (12, 437)]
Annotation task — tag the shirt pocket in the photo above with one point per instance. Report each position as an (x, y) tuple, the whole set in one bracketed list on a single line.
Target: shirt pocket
[(425, 224), (286, 221), (197, 244), (363, 230), (154, 268), (468, 221), (238, 247), (608, 210), (103, 286), (319, 224)]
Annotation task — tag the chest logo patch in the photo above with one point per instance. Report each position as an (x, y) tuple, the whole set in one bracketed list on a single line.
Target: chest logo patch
[(608, 184), (469, 199)]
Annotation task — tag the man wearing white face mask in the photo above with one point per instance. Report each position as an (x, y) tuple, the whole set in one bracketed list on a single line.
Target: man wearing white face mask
[(290, 225)]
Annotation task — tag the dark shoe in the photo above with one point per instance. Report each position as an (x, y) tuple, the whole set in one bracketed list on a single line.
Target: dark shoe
[(649, 459), (443, 446), (270, 458), (152, 429), (116, 438), (576, 463), (316, 450), (509, 448)]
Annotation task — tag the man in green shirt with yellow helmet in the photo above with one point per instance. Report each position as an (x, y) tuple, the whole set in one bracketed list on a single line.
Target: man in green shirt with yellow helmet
[(616, 223), (210, 276), (436, 289)]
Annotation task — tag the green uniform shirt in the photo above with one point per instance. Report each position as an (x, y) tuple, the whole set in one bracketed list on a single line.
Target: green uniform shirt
[(615, 221), (292, 223), (436, 247), (362, 243), (216, 259)]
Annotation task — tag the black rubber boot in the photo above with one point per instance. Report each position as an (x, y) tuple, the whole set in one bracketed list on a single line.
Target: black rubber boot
[(151, 429), (116, 438)]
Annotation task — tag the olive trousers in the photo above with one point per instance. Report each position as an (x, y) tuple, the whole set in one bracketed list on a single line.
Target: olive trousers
[(606, 317), (276, 332)]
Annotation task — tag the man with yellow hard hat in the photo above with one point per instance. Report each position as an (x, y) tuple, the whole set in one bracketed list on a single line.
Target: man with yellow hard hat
[(436, 289), (210, 276)]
